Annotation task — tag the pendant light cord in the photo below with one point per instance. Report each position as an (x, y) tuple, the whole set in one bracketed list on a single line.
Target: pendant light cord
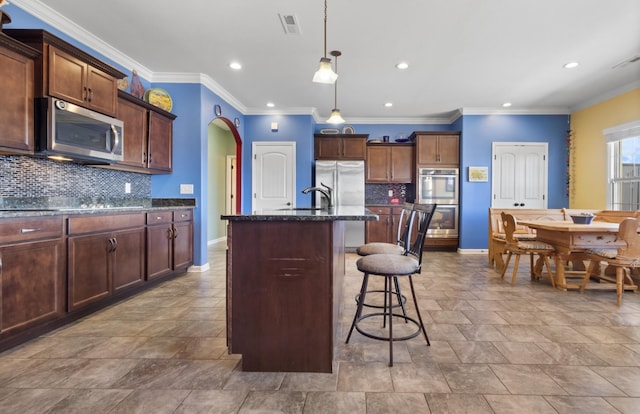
[(335, 86), (325, 28)]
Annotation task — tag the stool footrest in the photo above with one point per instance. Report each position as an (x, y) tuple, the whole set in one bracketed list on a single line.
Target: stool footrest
[(386, 338)]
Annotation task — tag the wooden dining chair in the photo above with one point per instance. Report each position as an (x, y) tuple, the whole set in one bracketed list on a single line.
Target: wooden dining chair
[(519, 247), (625, 254)]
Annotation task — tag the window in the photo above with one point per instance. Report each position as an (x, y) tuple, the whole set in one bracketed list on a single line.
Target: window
[(623, 166)]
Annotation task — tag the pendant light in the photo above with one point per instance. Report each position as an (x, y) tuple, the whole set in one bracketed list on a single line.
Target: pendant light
[(336, 117), (325, 73)]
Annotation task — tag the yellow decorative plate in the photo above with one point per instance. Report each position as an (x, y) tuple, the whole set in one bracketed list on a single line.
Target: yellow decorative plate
[(159, 97)]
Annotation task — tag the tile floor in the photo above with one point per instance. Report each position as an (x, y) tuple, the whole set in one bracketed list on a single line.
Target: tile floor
[(495, 349)]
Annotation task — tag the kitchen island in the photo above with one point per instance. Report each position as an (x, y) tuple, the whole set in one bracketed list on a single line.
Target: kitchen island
[(285, 271)]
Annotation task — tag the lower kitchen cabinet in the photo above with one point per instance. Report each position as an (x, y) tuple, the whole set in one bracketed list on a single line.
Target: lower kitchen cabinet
[(169, 242), (105, 254), (386, 228), (32, 273), (182, 239)]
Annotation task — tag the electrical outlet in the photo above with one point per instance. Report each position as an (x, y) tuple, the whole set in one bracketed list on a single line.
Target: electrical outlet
[(127, 188), (186, 188)]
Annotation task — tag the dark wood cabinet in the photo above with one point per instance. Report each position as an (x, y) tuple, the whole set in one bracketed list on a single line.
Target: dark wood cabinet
[(106, 253), (32, 273), (17, 86), (283, 303), (159, 244), (386, 228), (160, 143), (169, 242), (182, 239), (148, 136), (69, 73), (135, 120), (437, 148), (390, 163), (340, 147)]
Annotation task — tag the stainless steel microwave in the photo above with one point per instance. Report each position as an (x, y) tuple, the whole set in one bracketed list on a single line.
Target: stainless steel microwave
[(68, 131)]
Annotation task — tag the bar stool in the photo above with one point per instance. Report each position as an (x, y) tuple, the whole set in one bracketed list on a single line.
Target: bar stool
[(391, 267), (403, 240)]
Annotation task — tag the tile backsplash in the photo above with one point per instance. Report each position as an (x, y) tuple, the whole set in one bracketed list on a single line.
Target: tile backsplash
[(32, 177), (379, 193)]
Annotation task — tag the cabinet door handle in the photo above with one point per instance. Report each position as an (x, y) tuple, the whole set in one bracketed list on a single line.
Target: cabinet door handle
[(115, 244), (175, 232), (23, 231), (169, 233), (109, 245), (90, 95), (86, 94)]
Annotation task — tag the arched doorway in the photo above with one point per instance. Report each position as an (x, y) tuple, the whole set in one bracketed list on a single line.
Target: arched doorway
[(228, 125), (224, 172)]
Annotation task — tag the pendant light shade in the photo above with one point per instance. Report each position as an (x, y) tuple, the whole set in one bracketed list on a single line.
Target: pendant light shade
[(325, 73), (336, 117)]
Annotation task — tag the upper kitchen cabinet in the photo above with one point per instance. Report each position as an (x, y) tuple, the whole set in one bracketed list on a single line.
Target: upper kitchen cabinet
[(148, 136), (390, 163), (70, 74), (17, 86), (340, 146), (437, 148)]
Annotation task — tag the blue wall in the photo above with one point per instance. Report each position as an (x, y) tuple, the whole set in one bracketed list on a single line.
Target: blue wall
[(478, 133), (297, 128)]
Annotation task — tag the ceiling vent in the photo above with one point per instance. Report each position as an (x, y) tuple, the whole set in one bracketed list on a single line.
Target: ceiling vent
[(626, 62), (290, 24)]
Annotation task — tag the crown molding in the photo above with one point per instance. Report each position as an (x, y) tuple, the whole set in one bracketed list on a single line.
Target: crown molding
[(202, 79), (606, 96), (43, 12), (519, 111)]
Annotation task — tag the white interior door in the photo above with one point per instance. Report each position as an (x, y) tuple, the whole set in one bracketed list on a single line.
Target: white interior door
[(519, 175), (230, 185), (273, 178)]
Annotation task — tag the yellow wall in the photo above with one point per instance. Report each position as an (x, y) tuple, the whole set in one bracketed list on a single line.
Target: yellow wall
[(588, 160)]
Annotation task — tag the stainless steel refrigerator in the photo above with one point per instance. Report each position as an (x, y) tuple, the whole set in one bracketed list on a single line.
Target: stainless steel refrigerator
[(346, 178)]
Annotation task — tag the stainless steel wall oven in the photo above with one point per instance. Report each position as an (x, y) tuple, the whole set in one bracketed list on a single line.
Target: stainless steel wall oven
[(441, 186)]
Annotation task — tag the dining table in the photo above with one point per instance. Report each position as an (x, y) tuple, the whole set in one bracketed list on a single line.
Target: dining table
[(569, 239)]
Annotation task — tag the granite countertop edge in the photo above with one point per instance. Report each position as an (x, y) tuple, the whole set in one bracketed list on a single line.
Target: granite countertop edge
[(362, 214), (146, 206)]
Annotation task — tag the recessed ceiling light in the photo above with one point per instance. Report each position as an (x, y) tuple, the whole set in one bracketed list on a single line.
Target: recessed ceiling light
[(506, 104), (388, 104), (571, 65), (270, 104), (402, 65), (235, 65)]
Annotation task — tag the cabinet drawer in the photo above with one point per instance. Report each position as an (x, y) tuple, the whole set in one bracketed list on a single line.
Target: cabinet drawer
[(380, 210), (182, 215), (35, 228), (95, 224), (159, 217)]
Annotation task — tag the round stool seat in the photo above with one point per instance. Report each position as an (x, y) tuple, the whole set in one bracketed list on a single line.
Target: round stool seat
[(388, 265), (379, 248)]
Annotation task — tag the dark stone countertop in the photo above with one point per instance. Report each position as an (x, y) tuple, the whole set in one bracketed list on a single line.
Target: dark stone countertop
[(302, 214), (42, 210)]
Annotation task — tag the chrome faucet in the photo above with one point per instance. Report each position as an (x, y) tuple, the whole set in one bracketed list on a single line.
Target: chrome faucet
[(326, 192)]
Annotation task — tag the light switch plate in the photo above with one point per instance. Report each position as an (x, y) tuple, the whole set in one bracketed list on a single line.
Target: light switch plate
[(186, 188)]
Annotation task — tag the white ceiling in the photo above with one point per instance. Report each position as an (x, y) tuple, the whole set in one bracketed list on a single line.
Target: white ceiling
[(462, 54)]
